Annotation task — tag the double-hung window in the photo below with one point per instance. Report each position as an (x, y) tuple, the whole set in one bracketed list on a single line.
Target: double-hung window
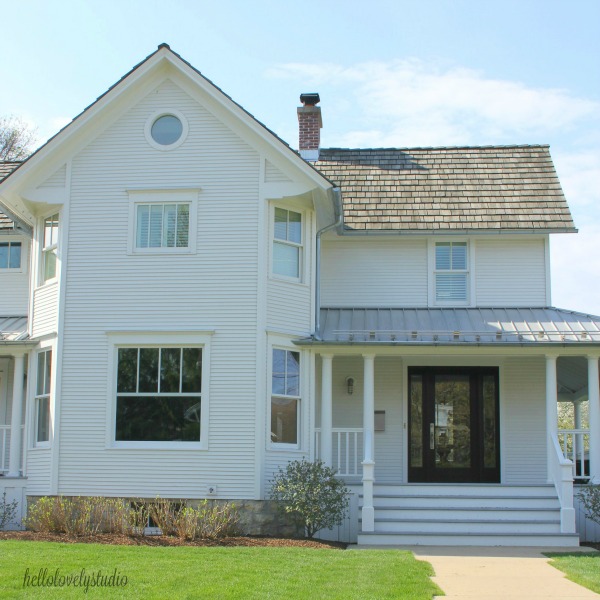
[(285, 397), (42, 398), (159, 394), (49, 247), (10, 255), (451, 272), (287, 243)]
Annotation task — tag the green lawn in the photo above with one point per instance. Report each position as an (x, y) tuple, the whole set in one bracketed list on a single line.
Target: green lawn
[(582, 568), (201, 572)]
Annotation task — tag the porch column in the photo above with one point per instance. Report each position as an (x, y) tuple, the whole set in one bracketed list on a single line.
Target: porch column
[(578, 448), (326, 454), (368, 464), (14, 463), (594, 400), (551, 412)]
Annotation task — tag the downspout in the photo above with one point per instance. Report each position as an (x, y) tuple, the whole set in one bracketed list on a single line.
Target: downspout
[(337, 200)]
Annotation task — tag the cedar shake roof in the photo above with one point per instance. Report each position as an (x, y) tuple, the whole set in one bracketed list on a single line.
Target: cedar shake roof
[(6, 168), (495, 188)]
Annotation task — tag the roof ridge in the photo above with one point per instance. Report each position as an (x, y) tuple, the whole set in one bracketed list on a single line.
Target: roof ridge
[(399, 148)]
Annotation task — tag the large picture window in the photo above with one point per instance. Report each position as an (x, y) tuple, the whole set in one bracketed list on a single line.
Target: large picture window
[(159, 394), (287, 243), (42, 398), (451, 272), (285, 397)]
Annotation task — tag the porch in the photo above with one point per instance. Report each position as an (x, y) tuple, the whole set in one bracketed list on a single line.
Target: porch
[(392, 420)]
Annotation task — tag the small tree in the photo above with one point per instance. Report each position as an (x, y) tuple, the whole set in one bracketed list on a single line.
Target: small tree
[(590, 499), (310, 495), (8, 511), (16, 139)]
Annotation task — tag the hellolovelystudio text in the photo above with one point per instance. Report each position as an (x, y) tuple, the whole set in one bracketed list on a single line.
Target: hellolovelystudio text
[(48, 578)]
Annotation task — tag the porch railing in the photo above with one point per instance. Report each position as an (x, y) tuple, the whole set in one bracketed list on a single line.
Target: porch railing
[(575, 445), (347, 450), (5, 447), (561, 473)]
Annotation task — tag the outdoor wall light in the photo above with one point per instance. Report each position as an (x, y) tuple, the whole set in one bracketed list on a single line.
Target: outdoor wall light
[(350, 384)]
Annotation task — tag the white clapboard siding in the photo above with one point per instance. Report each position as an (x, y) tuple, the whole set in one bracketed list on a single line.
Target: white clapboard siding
[(374, 272), (510, 272), (38, 471), (57, 180), (274, 175), (45, 309), (523, 424), (289, 306), (215, 288), (14, 286)]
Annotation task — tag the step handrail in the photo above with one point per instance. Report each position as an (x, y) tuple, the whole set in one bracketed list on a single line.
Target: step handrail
[(561, 474)]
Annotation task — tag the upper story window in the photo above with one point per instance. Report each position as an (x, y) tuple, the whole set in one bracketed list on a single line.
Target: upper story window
[(166, 129), (42, 398), (49, 247), (162, 225), (287, 243), (451, 272), (10, 255), (285, 397)]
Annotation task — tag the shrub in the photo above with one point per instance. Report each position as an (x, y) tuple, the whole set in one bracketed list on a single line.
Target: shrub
[(8, 511), (309, 494), (590, 499)]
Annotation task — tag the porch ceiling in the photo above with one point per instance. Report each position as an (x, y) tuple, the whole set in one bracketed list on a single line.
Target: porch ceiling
[(457, 326)]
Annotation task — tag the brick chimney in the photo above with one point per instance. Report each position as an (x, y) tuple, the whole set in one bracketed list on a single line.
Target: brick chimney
[(309, 125)]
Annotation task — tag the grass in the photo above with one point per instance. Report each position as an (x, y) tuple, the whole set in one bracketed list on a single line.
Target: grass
[(235, 572), (582, 568)]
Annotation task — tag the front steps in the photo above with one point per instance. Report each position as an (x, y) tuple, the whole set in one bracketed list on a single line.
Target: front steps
[(466, 515)]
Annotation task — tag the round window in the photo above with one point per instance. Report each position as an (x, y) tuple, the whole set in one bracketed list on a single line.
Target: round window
[(166, 130)]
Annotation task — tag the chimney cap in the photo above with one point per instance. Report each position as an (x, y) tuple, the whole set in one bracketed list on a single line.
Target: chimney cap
[(310, 99)]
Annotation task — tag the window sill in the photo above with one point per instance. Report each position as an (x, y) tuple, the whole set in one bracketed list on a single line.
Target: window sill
[(41, 446), (290, 280), (157, 446), (47, 284), (285, 448)]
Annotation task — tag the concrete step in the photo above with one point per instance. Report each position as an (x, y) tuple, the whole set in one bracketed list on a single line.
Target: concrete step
[(408, 513), (424, 538), (465, 526), (468, 501), (463, 489)]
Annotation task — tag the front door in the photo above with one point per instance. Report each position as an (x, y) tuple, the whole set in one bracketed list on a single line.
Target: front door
[(453, 424)]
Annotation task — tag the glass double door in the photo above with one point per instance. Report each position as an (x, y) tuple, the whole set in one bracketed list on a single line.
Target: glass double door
[(453, 424)]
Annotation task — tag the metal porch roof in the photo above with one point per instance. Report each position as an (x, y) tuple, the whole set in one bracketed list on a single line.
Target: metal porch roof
[(13, 329), (432, 326)]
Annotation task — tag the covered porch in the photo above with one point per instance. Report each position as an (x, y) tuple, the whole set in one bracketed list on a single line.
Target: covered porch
[(452, 402)]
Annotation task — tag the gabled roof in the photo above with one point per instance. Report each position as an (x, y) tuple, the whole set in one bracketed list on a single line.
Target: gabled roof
[(457, 326), (6, 168), (489, 188)]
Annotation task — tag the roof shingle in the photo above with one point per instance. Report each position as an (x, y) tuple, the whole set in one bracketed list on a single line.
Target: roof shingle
[(6, 167)]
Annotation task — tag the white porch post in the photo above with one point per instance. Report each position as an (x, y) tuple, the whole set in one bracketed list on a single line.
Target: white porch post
[(14, 463), (551, 412), (326, 409), (594, 400), (368, 464)]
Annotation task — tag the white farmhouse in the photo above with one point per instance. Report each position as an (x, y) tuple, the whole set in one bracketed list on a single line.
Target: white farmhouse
[(187, 304)]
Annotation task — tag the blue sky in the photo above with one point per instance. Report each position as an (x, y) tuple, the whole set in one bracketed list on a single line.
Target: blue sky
[(390, 73)]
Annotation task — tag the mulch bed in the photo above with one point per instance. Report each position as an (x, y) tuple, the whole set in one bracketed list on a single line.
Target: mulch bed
[(163, 540)]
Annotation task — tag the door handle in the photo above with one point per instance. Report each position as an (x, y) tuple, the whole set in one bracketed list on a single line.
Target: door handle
[(432, 436)]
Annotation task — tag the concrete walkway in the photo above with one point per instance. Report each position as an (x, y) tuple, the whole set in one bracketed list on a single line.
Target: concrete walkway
[(499, 573)]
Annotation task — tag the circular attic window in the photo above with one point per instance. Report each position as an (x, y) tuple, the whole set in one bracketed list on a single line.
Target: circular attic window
[(166, 130)]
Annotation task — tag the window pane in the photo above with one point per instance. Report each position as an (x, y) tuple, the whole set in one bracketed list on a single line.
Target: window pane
[(166, 130), (416, 421), (142, 226), (183, 225), (49, 265), (127, 371), (3, 255), (148, 381), (170, 370), (442, 256), (169, 224), (459, 256), (295, 227), (278, 384), (292, 387), (43, 419), (451, 286), (15, 255), (158, 419), (489, 421), (286, 260), (192, 370), (41, 374), (156, 216), (50, 231), (280, 228), (284, 420)]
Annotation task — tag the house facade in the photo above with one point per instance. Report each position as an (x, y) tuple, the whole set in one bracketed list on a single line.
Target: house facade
[(188, 304)]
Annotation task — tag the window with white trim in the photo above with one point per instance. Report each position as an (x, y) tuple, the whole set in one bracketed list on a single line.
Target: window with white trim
[(49, 247), (285, 397), (42, 398), (451, 272), (10, 255), (162, 225), (287, 243), (159, 394)]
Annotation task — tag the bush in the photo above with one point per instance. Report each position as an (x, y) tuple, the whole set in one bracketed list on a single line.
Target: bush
[(309, 494), (8, 511), (590, 499)]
